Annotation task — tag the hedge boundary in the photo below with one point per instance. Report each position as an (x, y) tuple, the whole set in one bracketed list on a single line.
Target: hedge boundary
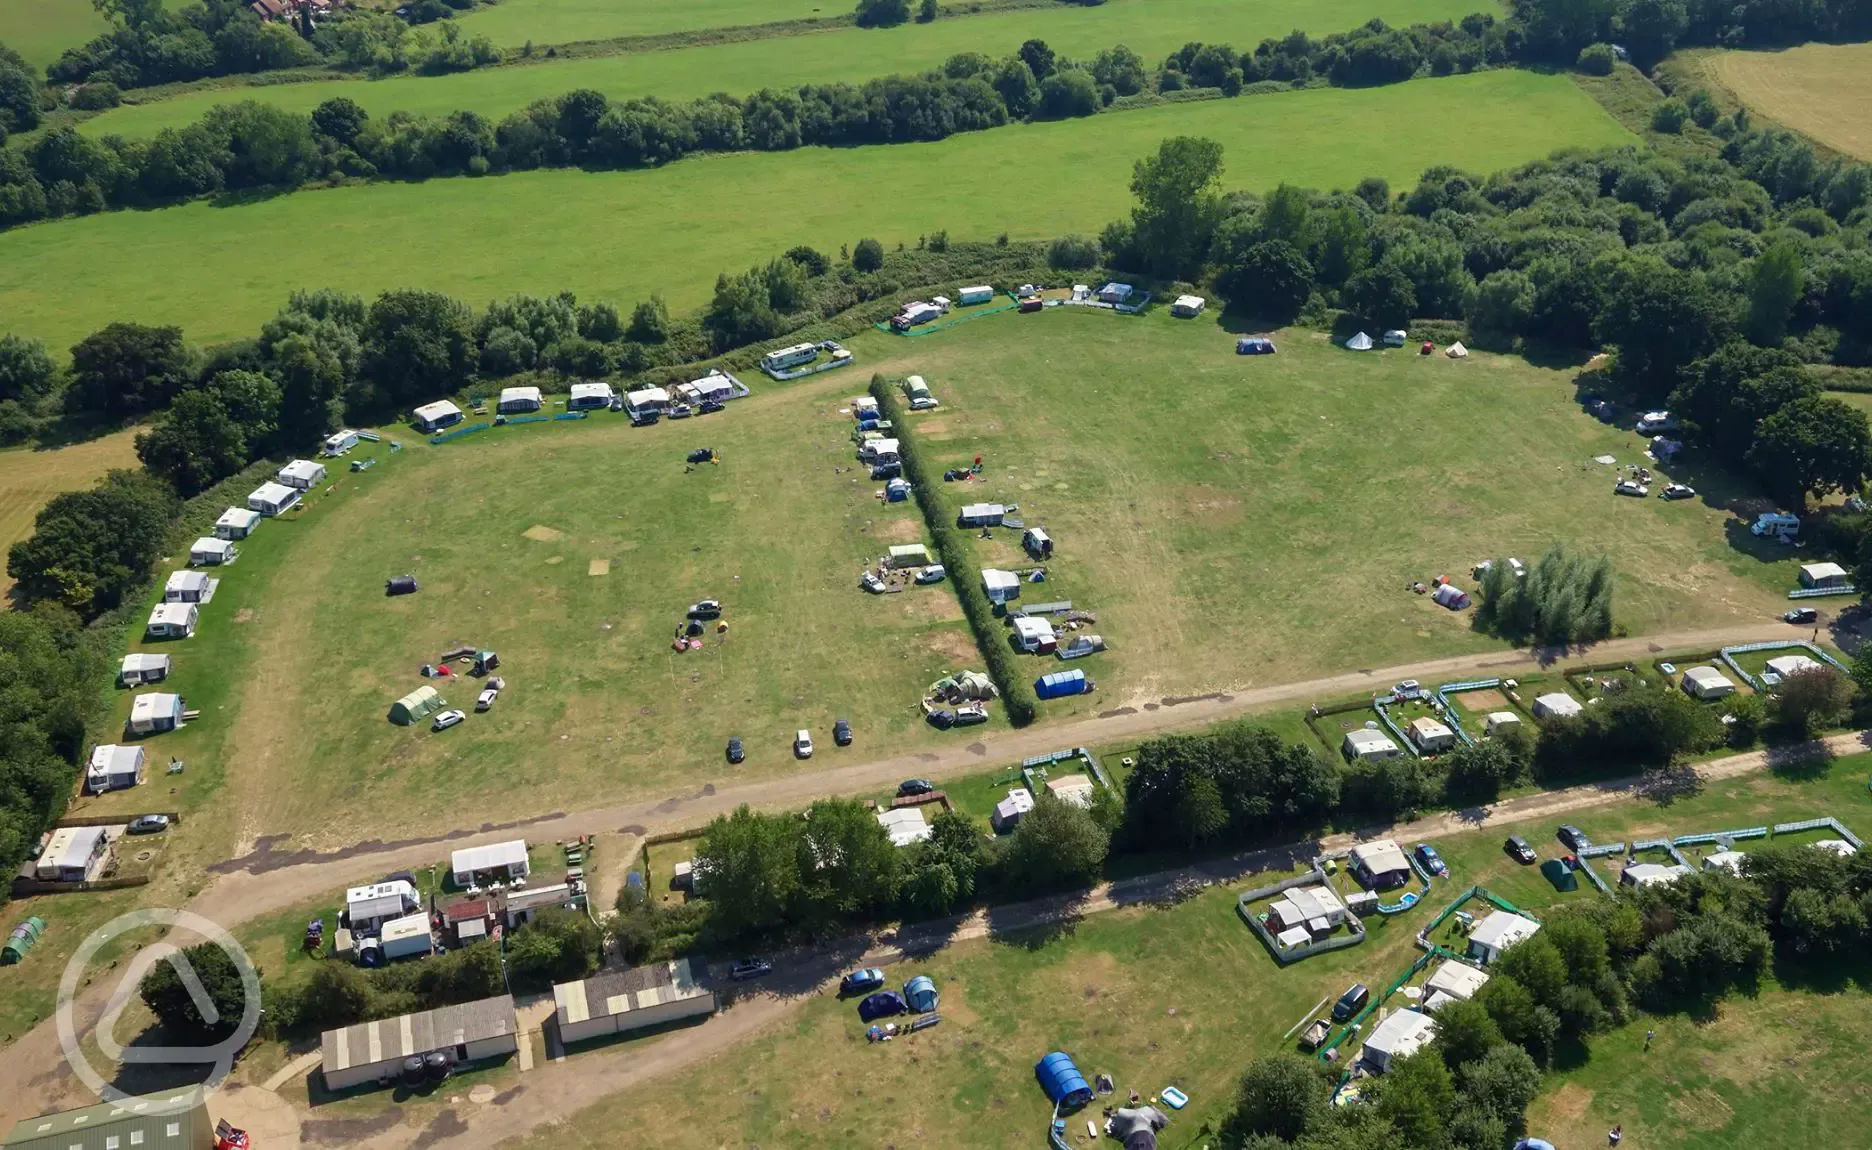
[(959, 560)]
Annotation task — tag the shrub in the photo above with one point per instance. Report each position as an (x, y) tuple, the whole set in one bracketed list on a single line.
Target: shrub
[(868, 256), (1669, 117), (96, 97), (1073, 253), (882, 13), (1596, 60)]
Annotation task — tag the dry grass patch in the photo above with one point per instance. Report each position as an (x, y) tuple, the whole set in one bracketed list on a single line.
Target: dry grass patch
[(30, 478), (1821, 90)]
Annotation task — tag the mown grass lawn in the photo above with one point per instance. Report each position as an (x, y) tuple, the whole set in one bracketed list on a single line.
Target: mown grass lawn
[(1187, 996), (512, 23), (40, 30), (30, 478), (1153, 28), (1239, 521), (221, 272)]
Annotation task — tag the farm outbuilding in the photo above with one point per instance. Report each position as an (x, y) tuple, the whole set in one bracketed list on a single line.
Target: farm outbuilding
[(905, 825), (438, 415), (1706, 683), (1188, 306), (1431, 736), (113, 768), (496, 862), (177, 1121), (920, 993), (271, 499), (415, 706), (1001, 586), (172, 621), (189, 586), (140, 667), (1451, 596), (1009, 811), (303, 474), (236, 523), (211, 551), (1556, 705), (1402, 1034), (1498, 932), (518, 400), (1065, 1087), (1380, 865), (1363, 744), (378, 1051), (1500, 721), (1062, 683), (155, 713), (1787, 665), (618, 1002), (1828, 575), (590, 396), (981, 515), (73, 854)]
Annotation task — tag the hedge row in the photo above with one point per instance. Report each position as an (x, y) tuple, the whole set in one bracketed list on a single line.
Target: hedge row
[(958, 558)]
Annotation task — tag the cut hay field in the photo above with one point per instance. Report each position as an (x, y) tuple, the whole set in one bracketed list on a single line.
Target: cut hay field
[(1238, 521), (30, 478), (1152, 27), (221, 271), (1820, 90), (1187, 996), (40, 30)]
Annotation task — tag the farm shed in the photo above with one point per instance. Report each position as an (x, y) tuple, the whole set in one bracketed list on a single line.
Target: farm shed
[(303, 474), (1730, 861), (1706, 683), (176, 1121), (518, 400), (1500, 720), (236, 523), (273, 499), (522, 905), (981, 515), (375, 1051), (1452, 981), (189, 586), (497, 862), (369, 907), (1009, 811), (339, 442), (920, 993), (905, 825), (467, 922), (1363, 744), (1431, 736), (1651, 874), (1062, 683), (172, 621), (1188, 306), (1402, 1034), (647, 401), (1254, 345), (1823, 575), (1451, 596), (140, 667), (73, 854), (1034, 635), (1060, 1079), (588, 396), (905, 555), (1381, 864), (1556, 705), (1076, 790), (1496, 933), (1360, 342), (113, 768), (618, 1002), (1788, 665), (415, 706), (154, 713), (1001, 586), (438, 415)]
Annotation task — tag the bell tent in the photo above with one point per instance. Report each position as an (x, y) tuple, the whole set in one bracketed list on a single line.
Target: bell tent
[(1360, 342)]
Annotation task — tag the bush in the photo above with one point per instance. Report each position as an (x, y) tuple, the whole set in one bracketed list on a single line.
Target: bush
[(1073, 253), (882, 13), (96, 97), (1669, 117), (1596, 60), (868, 256)]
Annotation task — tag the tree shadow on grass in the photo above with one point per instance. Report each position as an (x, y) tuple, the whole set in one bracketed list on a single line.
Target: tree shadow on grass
[(1800, 762), (1020, 925), (1670, 785)]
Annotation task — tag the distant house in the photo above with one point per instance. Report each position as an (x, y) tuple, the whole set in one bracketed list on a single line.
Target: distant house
[(590, 396), (438, 415), (516, 400), (905, 825), (1009, 811), (1788, 665), (1363, 744), (1501, 720), (1651, 874), (190, 586), (1380, 865), (236, 523), (303, 474), (1431, 736), (1402, 1034), (1706, 683), (272, 499), (1001, 586), (155, 713), (113, 768), (618, 1002), (1823, 575), (1556, 705), (212, 551), (141, 667), (171, 621), (1498, 932)]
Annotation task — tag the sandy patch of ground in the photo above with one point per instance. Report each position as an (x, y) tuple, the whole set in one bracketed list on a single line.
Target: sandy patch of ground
[(1570, 1103), (1482, 702), (541, 533), (598, 567)]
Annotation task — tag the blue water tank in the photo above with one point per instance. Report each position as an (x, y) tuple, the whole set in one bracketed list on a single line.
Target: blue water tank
[(1061, 1080)]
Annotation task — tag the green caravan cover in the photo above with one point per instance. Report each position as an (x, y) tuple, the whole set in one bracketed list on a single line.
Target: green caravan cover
[(415, 706)]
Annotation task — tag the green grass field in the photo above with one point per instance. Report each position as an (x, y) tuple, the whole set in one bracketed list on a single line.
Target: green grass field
[(40, 30), (1152, 27), (1238, 521), (514, 22), (29, 478), (624, 235)]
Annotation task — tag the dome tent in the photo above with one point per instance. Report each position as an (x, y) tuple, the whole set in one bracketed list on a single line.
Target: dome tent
[(1061, 1080), (921, 994), (1457, 351), (1360, 342)]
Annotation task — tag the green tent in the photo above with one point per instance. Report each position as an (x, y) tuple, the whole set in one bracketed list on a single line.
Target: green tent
[(1560, 874), (415, 706), (21, 940)]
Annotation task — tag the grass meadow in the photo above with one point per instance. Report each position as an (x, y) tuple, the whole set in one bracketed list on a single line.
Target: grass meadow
[(1153, 27), (40, 30), (1823, 91), (624, 235), (512, 23), (29, 478), (1186, 995), (1237, 521)]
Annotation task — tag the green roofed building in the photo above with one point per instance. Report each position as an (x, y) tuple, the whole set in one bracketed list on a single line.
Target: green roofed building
[(176, 1121), (415, 706)]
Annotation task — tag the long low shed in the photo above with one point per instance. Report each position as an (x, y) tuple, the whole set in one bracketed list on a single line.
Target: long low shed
[(621, 1001), (372, 1051)]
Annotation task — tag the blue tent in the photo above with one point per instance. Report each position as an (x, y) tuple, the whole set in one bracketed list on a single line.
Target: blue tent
[(921, 993), (1061, 683), (1533, 1144), (883, 1004), (1254, 345), (1061, 1080)]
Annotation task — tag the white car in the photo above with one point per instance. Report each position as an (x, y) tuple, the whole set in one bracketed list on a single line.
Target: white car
[(486, 699), (802, 743), (934, 573), (448, 719), (1631, 487), (1652, 422), (923, 403)]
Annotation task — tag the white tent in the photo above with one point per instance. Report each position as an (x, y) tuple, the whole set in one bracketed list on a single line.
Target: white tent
[(514, 399), (1792, 665), (1360, 342), (1706, 683), (1558, 704), (509, 857), (1400, 1035), (905, 825), (1457, 351), (1496, 933)]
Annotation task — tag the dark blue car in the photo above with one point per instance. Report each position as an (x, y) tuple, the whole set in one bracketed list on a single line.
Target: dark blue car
[(883, 1004), (860, 981)]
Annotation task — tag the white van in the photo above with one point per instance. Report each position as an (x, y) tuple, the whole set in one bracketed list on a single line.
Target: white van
[(1778, 524), (802, 743)]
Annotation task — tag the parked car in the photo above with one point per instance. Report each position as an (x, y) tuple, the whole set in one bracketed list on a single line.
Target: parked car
[(1519, 850), (149, 824), (870, 581), (802, 743), (1351, 1002), (1801, 615), (1407, 687), (1677, 491), (934, 573), (941, 719), (1631, 487), (735, 752), (924, 403), (1652, 422), (750, 967), (883, 1004), (1432, 861), (706, 609), (680, 411), (1573, 838), (969, 716), (1604, 410), (711, 406), (915, 787), (861, 981), (841, 733), (447, 719), (486, 699)]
